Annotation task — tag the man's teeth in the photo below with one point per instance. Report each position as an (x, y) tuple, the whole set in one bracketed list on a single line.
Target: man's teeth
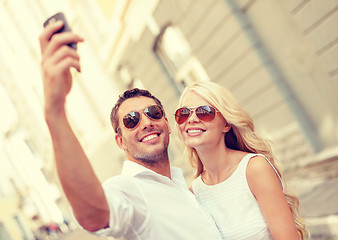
[(147, 138), (194, 131)]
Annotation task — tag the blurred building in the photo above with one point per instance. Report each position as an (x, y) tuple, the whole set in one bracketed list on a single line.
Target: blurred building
[(279, 58)]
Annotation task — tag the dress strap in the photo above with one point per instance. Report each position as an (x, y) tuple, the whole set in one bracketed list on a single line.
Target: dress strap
[(249, 156)]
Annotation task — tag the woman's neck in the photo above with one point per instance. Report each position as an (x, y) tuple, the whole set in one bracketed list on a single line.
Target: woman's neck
[(219, 163)]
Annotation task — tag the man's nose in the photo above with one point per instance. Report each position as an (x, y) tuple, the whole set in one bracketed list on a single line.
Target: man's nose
[(145, 121)]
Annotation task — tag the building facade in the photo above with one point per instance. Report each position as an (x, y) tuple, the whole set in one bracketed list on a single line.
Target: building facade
[(279, 58)]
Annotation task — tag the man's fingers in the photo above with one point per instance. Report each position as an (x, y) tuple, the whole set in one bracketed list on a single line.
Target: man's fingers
[(50, 42), (58, 41), (68, 55), (69, 62), (46, 35), (64, 52), (62, 61)]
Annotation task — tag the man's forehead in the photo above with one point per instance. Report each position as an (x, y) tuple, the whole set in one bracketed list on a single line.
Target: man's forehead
[(136, 104)]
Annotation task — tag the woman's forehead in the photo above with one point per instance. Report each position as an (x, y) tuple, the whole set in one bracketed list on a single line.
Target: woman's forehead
[(193, 99)]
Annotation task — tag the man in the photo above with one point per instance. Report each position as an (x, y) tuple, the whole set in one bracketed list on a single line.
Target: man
[(149, 200)]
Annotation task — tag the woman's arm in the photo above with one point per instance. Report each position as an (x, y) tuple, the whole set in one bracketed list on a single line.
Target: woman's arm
[(266, 187)]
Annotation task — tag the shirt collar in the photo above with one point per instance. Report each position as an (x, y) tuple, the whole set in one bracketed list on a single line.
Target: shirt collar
[(133, 169)]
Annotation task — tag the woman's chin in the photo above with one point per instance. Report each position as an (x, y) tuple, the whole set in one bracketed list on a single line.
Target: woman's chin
[(192, 144)]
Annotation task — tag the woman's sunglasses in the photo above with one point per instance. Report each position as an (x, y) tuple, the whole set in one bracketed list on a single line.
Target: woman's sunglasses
[(132, 119), (205, 113)]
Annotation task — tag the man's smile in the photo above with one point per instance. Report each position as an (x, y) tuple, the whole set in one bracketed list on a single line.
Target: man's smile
[(150, 137)]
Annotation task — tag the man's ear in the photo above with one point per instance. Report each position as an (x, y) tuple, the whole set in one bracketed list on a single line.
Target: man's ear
[(119, 141), (169, 128)]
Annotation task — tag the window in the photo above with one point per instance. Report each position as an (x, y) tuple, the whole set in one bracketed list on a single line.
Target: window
[(175, 54)]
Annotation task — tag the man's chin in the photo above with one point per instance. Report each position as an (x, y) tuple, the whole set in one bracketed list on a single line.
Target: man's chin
[(154, 156)]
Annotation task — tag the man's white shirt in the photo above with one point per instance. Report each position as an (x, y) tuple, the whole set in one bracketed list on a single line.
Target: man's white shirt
[(147, 205)]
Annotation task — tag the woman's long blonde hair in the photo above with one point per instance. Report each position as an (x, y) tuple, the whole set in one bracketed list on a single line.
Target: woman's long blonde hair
[(241, 136)]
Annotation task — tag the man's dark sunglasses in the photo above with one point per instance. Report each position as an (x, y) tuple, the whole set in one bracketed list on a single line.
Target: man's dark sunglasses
[(205, 113), (132, 119)]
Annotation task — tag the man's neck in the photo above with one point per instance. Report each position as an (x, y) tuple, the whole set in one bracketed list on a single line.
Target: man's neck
[(162, 167)]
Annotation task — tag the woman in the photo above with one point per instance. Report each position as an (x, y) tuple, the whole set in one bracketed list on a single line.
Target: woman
[(236, 177)]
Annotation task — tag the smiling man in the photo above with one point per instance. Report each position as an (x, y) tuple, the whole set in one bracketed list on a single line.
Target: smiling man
[(150, 145), (150, 199)]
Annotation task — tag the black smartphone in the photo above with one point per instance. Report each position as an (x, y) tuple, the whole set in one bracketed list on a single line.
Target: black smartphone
[(65, 28)]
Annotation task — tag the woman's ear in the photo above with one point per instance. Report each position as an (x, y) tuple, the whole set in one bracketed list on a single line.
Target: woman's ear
[(227, 128)]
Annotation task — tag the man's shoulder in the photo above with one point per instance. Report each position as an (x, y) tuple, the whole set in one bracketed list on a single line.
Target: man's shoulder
[(118, 180)]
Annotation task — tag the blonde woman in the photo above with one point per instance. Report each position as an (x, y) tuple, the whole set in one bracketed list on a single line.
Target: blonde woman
[(236, 177)]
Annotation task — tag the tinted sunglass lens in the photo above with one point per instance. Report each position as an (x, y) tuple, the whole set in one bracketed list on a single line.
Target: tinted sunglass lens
[(205, 113), (131, 120), (154, 112), (181, 115)]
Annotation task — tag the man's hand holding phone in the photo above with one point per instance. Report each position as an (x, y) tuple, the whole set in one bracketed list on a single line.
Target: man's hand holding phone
[(65, 28), (58, 56)]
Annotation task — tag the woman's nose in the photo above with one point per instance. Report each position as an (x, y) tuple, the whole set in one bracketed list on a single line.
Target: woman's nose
[(193, 117)]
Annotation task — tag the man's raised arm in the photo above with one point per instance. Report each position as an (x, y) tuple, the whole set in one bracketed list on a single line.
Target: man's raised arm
[(79, 182)]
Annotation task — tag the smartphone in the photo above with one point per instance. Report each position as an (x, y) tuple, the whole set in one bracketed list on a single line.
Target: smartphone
[(65, 28)]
